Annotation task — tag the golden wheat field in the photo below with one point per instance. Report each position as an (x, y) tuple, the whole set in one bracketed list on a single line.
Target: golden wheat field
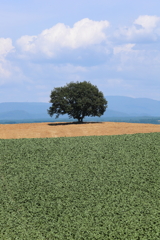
[(72, 129)]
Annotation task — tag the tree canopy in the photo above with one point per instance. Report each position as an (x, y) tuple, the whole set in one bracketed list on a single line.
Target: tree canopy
[(78, 100)]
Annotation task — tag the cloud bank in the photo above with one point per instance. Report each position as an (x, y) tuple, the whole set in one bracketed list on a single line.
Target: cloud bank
[(145, 28), (127, 58), (84, 33), (6, 47)]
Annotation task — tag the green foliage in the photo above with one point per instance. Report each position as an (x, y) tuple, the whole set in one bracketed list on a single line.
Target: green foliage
[(78, 100), (96, 187)]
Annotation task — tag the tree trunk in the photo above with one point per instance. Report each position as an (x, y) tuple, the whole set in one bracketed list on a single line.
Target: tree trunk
[(80, 120)]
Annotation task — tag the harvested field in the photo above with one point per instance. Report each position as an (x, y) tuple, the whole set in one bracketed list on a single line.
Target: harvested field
[(72, 129)]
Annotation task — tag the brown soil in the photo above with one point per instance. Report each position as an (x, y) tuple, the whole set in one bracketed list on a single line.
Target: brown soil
[(49, 130)]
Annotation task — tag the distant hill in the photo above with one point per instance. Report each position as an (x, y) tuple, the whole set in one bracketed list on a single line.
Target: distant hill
[(17, 114), (134, 106), (21, 115), (118, 106), (30, 107)]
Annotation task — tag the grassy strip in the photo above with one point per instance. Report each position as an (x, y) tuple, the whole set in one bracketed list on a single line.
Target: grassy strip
[(96, 187)]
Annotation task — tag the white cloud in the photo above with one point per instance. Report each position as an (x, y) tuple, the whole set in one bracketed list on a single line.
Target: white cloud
[(147, 22), (69, 68), (144, 28), (5, 47), (26, 43), (125, 56), (126, 48), (4, 73), (10, 73), (117, 82), (114, 82), (84, 33)]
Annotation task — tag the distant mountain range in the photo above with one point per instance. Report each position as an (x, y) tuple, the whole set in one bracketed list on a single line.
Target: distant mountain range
[(134, 106), (118, 106)]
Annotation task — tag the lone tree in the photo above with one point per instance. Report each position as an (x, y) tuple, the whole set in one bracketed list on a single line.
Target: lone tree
[(78, 100)]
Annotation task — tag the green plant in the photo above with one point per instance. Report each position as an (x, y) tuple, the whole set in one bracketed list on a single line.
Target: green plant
[(97, 187)]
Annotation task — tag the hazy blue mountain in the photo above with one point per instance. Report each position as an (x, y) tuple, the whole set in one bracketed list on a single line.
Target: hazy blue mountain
[(134, 106), (112, 113), (20, 114), (17, 114), (118, 106), (30, 107)]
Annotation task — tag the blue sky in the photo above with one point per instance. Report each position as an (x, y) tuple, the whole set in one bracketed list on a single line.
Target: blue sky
[(114, 44)]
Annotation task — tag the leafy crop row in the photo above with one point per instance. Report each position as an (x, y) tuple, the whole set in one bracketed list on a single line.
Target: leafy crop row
[(96, 187)]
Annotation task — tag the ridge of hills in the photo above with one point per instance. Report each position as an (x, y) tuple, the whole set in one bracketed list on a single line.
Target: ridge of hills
[(118, 106)]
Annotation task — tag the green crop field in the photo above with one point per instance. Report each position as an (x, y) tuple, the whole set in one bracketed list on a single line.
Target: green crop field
[(83, 188)]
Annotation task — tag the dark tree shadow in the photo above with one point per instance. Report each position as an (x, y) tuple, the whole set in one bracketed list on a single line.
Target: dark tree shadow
[(69, 123)]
